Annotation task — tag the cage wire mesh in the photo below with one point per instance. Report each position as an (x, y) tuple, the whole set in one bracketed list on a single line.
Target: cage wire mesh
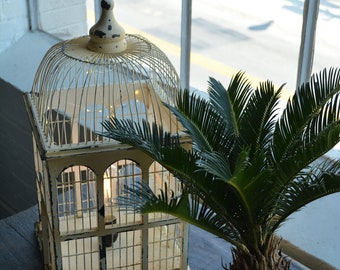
[(76, 89), (79, 84)]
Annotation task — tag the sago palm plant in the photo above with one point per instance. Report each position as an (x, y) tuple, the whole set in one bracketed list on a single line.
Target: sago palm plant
[(250, 165)]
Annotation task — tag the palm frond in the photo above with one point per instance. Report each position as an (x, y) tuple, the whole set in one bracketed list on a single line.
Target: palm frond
[(255, 181), (140, 198), (230, 103), (308, 151), (317, 181), (216, 164), (163, 147), (149, 138), (306, 104), (259, 119), (205, 127)]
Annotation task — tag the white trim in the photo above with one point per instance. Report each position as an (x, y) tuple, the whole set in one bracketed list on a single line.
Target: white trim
[(185, 43), (306, 55), (32, 6)]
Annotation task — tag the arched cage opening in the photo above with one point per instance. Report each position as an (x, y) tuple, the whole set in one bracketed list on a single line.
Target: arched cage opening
[(117, 176), (124, 248), (158, 178), (77, 200), (76, 90)]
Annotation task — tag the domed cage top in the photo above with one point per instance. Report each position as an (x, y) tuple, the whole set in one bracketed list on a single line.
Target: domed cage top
[(75, 90), (84, 81)]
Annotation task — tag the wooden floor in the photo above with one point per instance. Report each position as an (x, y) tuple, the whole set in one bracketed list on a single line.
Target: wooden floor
[(18, 211), (18, 245), (17, 180)]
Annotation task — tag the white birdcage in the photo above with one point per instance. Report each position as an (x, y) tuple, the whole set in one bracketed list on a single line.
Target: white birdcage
[(79, 84)]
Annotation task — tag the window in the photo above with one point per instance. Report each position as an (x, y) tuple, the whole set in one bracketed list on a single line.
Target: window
[(76, 191), (120, 174)]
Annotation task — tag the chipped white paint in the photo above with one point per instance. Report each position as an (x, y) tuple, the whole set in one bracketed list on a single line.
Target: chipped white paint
[(107, 36)]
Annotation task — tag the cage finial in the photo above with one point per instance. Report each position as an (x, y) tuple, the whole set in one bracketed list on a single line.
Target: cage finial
[(107, 35)]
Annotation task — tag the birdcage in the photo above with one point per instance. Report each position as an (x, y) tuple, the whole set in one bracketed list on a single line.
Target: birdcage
[(79, 84)]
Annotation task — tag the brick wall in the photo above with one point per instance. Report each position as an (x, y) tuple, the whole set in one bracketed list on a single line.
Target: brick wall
[(13, 21), (63, 18)]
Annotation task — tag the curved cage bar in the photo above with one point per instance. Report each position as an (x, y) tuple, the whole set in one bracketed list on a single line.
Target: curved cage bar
[(76, 89)]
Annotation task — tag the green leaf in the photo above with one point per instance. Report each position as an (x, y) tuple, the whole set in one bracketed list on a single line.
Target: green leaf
[(304, 108), (318, 180)]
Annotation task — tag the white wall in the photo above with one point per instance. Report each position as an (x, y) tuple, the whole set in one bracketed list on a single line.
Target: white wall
[(63, 18), (21, 50), (13, 21)]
